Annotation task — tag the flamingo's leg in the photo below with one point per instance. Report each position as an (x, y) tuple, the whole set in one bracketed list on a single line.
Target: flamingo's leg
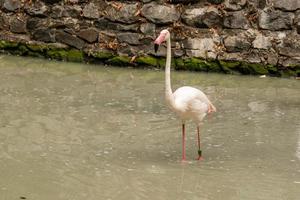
[(183, 142), (199, 147)]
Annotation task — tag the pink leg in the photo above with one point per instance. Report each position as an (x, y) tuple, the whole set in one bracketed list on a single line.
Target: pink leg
[(183, 143), (199, 149)]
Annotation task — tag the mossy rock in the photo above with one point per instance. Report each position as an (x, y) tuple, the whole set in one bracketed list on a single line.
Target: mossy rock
[(35, 54), (230, 67), (161, 62), (102, 55), (253, 68), (195, 64), (74, 55), (287, 73), (62, 54), (179, 64), (8, 44), (22, 50), (119, 61), (36, 47), (272, 69), (146, 61), (298, 73), (213, 66)]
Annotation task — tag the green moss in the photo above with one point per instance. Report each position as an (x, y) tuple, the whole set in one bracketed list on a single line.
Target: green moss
[(103, 55), (146, 61), (119, 60), (36, 47), (213, 66), (161, 62), (62, 54), (229, 67), (195, 64), (35, 54), (253, 68), (75, 56), (287, 73), (272, 69), (8, 44), (22, 50), (57, 54), (179, 64)]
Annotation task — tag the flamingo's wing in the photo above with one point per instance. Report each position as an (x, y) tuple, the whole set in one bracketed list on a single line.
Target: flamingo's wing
[(198, 109)]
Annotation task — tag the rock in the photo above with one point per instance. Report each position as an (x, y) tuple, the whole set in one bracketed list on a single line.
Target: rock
[(56, 11), (71, 23), (160, 14), (91, 11), (298, 27), (200, 54), (69, 39), (200, 47), (234, 5), (287, 5), (275, 20), (236, 20), (262, 42), (215, 1), (90, 35), (260, 4), (4, 22), (130, 38), (180, 1), (12, 5), (38, 9), (206, 17), (212, 18), (292, 62), (193, 16), (148, 29), (51, 1), (178, 53), (105, 24), (236, 44), (37, 23), (126, 13), (44, 35), (57, 23), (72, 11), (18, 25), (146, 1), (290, 46), (272, 58)]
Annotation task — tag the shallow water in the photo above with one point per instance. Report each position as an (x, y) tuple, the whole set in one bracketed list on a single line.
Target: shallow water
[(75, 131)]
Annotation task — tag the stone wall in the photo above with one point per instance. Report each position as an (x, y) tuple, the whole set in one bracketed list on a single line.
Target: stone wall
[(230, 36)]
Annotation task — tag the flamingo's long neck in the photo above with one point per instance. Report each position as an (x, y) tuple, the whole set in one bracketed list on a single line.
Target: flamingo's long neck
[(168, 89)]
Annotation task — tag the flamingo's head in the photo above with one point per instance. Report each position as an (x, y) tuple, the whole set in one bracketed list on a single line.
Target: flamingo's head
[(163, 36)]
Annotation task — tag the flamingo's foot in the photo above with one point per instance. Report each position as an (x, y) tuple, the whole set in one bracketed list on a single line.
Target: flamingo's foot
[(184, 161), (200, 155), (200, 158)]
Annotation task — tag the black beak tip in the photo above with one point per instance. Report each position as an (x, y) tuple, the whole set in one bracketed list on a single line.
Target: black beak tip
[(156, 47)]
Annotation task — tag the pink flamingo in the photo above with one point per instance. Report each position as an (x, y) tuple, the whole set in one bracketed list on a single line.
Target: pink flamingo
[(187, 102)]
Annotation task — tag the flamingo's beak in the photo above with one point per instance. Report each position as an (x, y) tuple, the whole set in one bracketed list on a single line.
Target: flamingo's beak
[(156, 47), (160, 39)]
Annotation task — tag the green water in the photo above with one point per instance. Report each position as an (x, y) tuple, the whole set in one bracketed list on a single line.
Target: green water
[(75, 131)]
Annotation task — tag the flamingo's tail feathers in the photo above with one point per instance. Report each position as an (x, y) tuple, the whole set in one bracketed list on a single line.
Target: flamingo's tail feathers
[(211, 108)]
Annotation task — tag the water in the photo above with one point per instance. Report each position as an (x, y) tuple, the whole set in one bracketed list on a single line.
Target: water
[(74, 131)]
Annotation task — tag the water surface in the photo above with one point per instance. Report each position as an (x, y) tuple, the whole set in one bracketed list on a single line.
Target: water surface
[(75, 131)]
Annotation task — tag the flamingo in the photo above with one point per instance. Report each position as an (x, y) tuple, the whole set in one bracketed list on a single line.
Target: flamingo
[(187, 102)]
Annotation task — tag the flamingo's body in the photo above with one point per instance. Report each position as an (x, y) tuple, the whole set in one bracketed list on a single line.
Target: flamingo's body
[(187, 102)]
